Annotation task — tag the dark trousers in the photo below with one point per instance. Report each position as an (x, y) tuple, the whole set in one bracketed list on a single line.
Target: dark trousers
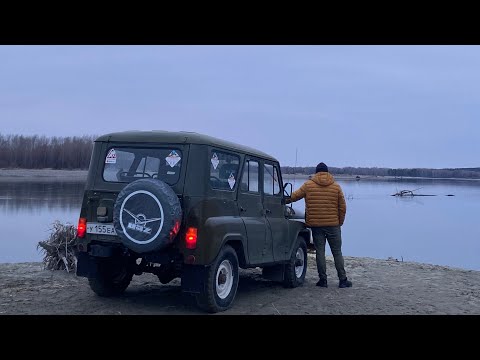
[(332, 234)]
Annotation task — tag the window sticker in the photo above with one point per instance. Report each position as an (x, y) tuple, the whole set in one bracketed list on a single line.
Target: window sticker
[(231, 180), (214, 160), (173, 158), (111, 157)]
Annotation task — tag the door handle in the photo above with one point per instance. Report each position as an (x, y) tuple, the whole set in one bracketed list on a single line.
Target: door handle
[(242, 209), (268, 211)]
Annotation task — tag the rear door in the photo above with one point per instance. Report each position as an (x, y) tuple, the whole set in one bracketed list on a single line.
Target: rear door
[(116, 165)]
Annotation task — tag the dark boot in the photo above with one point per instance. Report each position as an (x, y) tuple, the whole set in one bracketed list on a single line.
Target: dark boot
[(322, 283), (345, 283)]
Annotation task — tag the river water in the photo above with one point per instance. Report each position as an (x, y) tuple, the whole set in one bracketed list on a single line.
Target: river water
[(436, 229)]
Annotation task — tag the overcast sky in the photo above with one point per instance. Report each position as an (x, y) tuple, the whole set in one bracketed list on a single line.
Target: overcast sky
[(383, 106)]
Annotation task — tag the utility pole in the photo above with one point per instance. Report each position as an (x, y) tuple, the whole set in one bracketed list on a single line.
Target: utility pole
[(295, 167)]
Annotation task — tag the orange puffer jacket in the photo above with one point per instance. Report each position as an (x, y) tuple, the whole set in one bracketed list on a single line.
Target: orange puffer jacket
[(324, 201)]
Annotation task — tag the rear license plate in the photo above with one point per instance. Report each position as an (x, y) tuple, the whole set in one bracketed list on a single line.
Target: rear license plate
[(104, 229)]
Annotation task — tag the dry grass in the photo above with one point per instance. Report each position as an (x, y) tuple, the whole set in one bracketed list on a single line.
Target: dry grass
[(58, 249)]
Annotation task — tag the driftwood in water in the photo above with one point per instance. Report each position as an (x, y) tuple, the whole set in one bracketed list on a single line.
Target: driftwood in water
[(409, 193), (404, 193)]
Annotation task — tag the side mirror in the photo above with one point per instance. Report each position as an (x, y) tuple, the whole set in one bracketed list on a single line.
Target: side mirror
[(287, 193), (287, 189)]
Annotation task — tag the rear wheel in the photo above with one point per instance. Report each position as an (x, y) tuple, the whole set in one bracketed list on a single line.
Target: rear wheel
[(113, 277), (296, 269), (221, 282)]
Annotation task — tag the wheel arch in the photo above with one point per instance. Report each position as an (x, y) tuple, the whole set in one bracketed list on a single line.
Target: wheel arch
[(218, 231), (237, 244), (298, 229)]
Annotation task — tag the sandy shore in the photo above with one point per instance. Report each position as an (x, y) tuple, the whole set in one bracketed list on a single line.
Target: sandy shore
[(379, 287)]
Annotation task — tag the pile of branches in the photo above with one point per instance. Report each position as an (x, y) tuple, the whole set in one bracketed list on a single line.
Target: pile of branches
[(58, 249)]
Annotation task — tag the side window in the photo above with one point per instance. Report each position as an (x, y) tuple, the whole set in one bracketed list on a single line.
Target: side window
[(223, 170), (250, 177), (271, 185)]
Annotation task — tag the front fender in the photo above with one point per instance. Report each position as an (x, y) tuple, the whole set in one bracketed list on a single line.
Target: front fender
[(298, 228)]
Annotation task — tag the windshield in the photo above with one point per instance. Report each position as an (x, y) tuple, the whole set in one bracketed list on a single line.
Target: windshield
[(123, 164)]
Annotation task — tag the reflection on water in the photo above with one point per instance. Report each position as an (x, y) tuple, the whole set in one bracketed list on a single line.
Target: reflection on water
[(30, 197), (433, 229), (27, 211)]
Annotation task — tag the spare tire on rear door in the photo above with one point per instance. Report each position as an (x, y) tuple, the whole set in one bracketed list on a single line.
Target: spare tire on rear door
[(147, 215)]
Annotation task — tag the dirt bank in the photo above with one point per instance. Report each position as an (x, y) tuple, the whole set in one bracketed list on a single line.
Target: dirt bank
[(379, 287)]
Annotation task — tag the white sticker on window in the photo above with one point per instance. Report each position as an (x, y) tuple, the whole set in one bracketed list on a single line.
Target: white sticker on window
[(173, 158), (231, 181), (111, 157), (214, 160)]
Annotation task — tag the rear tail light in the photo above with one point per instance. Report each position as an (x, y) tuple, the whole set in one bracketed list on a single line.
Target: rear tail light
[(174, 230), (82, 227), (191, 238)]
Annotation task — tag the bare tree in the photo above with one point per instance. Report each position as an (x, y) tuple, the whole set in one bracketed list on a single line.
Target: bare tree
[(38, 152)]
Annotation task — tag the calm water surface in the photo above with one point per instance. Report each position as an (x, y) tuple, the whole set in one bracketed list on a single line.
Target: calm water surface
[(27, 211), (439, 229), (443, 230)]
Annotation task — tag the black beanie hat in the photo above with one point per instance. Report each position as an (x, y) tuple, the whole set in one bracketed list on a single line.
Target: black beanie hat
[(321, 167)]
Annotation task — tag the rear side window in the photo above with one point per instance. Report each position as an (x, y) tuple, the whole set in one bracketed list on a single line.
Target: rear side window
[(124, 164), (223, 170), (250, 177)]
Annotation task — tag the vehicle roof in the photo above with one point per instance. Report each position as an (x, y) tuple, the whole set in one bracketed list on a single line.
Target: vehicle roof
[(179, 137)]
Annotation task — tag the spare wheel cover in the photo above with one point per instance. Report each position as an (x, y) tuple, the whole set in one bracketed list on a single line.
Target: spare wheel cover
[(145, 213)]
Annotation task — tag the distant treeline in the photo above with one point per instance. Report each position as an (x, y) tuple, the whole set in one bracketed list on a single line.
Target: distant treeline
[(466, 173), (40, 152)]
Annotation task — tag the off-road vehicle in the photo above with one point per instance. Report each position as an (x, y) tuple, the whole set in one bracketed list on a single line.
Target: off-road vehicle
[(189, 206)]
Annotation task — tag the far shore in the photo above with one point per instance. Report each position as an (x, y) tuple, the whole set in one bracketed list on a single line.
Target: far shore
[(81, 175), (42, 175), (289, 177)]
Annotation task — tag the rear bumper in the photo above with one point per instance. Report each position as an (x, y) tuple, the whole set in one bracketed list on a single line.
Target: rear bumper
[(87, 260)]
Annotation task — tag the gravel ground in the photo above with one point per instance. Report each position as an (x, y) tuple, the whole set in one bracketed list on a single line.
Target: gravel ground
[(379, 287)]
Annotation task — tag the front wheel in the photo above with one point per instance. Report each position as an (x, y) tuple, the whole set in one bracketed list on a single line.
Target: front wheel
[(296, 269), (221, 282)]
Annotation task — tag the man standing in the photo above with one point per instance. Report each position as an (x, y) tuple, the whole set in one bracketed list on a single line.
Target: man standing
[(325, 210)]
